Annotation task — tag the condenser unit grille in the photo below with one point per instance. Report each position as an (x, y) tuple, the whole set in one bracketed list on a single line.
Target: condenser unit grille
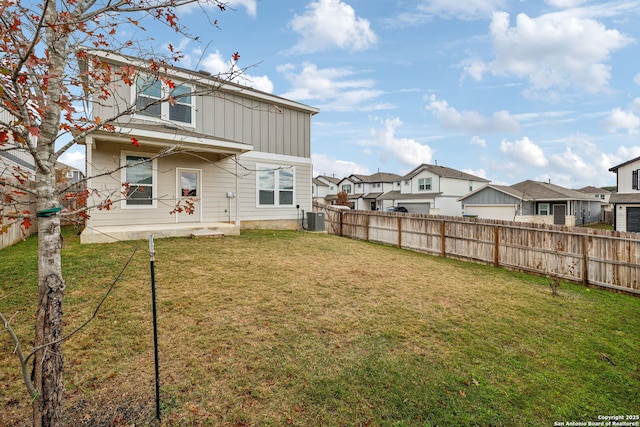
[(315, 221)]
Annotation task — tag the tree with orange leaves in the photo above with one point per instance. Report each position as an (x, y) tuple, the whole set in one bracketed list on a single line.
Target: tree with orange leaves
[(44, 79)]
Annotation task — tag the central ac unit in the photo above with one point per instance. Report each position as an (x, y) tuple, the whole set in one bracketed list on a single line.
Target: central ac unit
[(315, 221)]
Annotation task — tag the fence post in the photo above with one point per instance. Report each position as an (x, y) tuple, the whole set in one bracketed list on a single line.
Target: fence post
[(341, 223), (399, 232), (367, 225), (443, 249), (585, 260), (496, 246)]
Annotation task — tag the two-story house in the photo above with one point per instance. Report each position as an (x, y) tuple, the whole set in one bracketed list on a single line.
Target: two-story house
[(433, 189), (365, 191), (324, 189), (232, 157), (626, 201)]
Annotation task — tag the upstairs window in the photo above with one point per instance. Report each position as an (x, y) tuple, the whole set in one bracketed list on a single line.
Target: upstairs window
[(424, 184), (346, 188), (149, 91), (634, 180), (376, 185)]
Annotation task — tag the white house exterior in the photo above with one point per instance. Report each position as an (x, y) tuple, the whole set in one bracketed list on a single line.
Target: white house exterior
[(433, 189), (239, 157), (324, 189), (364, 191), (626, 201)]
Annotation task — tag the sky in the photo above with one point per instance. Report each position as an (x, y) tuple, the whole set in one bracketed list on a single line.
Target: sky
[(507, 90)]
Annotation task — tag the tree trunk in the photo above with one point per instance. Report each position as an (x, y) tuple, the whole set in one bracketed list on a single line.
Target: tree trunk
[(48, 365)]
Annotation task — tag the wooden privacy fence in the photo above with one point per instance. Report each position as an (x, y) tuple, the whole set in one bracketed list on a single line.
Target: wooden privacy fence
[(589, 256)]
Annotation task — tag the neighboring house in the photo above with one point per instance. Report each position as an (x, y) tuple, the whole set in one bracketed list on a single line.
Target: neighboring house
[(237, 158), (365, 191), (15, 161), (432, 189), (603, 195), (626, 201), (532, 201), (324, 189)]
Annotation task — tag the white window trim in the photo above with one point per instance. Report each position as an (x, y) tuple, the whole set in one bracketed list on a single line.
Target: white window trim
[(276, 200), (430, 183), (164, 106), (548, 205), (154, 178), (198, 196)]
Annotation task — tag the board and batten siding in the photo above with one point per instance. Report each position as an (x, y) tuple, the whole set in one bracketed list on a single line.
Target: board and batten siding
[(243, 117), (490, 196)]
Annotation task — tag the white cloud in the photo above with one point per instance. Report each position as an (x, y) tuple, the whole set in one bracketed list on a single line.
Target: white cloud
[(619, 119), (332, 89), (621, 155), (477, 172), (524, 152), (216, 64), (326, 165), (636, 79), (407, 151), (476, 140), (249, 5), (328, 24), (565, 4), (466, 10), (555, 51), (73, 158), (580, 170), (471, 121)]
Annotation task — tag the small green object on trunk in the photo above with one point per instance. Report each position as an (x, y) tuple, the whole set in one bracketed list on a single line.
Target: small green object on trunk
[(48, 212)]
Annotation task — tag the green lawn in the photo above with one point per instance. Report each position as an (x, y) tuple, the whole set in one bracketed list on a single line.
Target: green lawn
[(292, 328)]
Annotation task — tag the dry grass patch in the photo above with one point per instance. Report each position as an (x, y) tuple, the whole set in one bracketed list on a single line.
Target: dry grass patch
[(275, 328)]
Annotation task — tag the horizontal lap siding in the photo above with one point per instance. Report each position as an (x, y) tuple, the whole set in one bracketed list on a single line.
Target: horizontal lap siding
[(218, 178), (597, 257)]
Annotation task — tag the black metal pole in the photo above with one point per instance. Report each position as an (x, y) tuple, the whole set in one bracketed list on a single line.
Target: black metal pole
[(155, 324)]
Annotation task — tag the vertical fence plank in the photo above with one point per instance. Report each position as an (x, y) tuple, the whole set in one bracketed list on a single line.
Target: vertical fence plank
[(442, 239), (585, 260), (496, 246)]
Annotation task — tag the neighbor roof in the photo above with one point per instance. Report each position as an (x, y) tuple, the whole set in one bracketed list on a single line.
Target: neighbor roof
[(624, 198), (615, 168), (501, 188), (590, 189), (546, 191), (377, 177), (444, 172)]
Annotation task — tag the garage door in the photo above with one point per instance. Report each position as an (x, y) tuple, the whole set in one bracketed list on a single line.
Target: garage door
[(505, 213), (633, 219), (416, 208)]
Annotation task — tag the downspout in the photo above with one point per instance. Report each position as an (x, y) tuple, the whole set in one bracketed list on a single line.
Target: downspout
[(237, 174), (88, 162)]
